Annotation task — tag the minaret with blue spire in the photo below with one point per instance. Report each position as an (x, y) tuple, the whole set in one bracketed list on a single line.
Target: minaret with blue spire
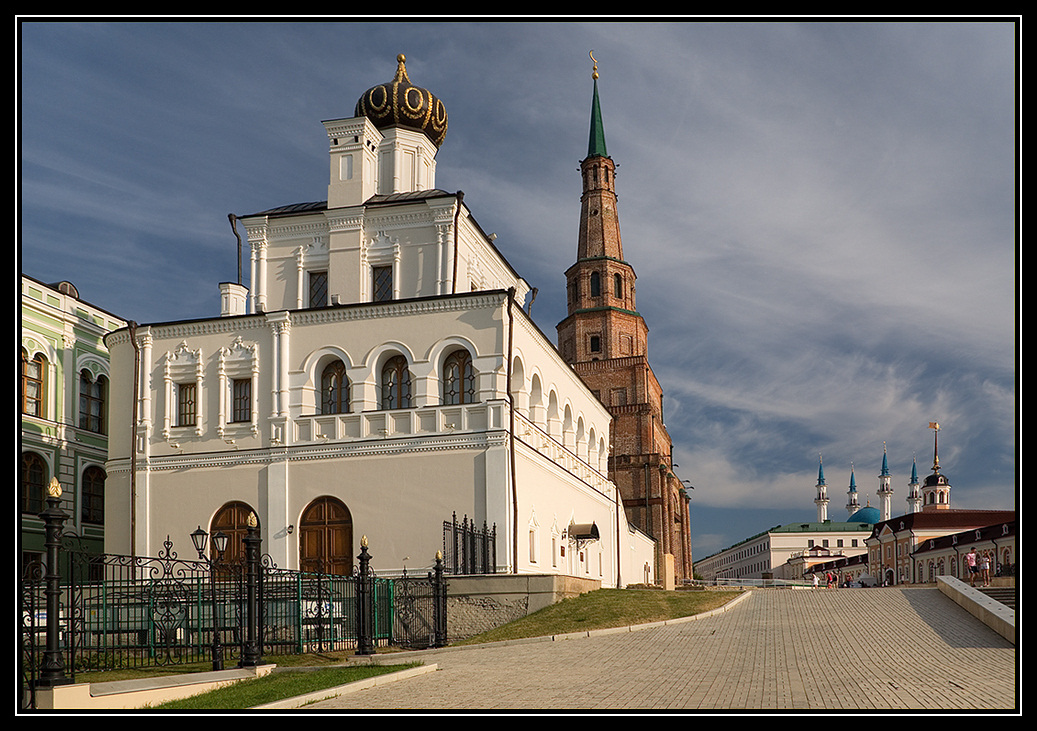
[(852, 503), (822, 493), (914, 495), (885, 491)]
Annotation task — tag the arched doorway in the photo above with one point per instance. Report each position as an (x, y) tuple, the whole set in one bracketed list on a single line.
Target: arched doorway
[(326, 537), (232, 519)]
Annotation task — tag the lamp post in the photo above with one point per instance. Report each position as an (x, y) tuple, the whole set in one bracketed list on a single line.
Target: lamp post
[(219, 544), (53, 666)]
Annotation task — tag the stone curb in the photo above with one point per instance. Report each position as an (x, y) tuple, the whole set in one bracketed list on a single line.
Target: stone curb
[(324, 694)]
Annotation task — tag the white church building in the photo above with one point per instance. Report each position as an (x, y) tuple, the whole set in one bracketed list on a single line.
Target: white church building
[(379, 376)]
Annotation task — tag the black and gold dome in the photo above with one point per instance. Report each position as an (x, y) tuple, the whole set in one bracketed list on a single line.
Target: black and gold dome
[(399, 103)]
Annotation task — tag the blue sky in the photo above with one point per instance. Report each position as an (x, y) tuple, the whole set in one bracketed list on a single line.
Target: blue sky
[(821, 215)]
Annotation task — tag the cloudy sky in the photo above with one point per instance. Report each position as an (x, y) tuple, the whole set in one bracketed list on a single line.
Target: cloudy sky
[(821, 215)]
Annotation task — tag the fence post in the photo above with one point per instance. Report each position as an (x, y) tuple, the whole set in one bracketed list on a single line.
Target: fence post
[(364, 599), (53, 666), (439, 602), (250, 653)]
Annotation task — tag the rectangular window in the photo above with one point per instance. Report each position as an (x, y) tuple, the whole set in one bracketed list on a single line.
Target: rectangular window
[(318, 289), (91, 404), (595, 343), (32, 386), (382, 281), (186, 404), (242, 408)]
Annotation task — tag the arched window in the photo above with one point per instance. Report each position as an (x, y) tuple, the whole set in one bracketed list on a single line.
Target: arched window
[(595, 284), (34, 480), (334, 389), (617, 286), (232, 519), (396, 384), (458, 379), (91, 402), (326, 538), (33, 372), (92, 505)]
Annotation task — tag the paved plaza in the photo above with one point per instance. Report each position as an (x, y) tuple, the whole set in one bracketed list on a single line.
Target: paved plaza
[(878, 649)]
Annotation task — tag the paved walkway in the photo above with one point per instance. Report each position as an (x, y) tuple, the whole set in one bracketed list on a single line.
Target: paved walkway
[(885, 649)]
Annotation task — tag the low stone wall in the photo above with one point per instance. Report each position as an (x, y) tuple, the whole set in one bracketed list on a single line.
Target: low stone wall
[(991, 612), (479, 603)]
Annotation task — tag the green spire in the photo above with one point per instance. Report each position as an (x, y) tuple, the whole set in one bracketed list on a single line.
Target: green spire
[(596, 145)]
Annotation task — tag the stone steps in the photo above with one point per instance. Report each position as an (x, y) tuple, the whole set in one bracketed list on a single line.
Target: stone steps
[(1003, 594)]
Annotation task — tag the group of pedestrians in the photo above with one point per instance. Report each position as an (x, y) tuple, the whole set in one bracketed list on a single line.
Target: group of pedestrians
[(979, 564), (830, 579)]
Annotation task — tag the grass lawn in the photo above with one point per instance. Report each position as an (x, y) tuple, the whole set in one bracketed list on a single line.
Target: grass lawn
[(605, 608), (277, 686)]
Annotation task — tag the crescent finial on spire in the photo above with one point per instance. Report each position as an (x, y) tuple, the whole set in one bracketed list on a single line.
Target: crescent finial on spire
[(595, 74)]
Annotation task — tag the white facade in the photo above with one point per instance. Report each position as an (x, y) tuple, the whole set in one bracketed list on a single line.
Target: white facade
[(779, 552), (380, 272)]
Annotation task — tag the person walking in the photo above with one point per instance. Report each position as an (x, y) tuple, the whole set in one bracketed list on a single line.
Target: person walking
[(970, 559)]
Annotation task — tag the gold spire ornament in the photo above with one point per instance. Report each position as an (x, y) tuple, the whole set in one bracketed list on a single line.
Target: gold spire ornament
[(935, 426), (595, 74)]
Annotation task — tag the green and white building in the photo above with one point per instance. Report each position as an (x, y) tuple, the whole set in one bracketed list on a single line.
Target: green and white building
[(63, 396)]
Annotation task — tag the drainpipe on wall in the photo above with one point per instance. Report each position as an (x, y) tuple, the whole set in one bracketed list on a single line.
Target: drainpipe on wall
[(511, 429), (457, 213), (133, 440), (233, 220)]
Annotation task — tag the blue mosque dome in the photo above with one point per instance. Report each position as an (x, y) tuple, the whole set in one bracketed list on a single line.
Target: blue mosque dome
[(865, 515)]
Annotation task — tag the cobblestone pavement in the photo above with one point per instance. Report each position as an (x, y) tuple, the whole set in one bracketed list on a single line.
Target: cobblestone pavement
[(879, 649)]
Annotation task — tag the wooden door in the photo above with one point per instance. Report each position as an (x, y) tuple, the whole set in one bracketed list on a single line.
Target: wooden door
[(326, 538), (232, 519)]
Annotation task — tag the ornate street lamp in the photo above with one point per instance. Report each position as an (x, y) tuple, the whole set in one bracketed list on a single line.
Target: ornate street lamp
[(219, 544)]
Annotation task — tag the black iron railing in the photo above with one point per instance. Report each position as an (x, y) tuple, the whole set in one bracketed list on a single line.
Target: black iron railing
[(468, 549)]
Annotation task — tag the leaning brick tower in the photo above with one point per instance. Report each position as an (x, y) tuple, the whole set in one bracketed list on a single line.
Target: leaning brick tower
[(605, 339)]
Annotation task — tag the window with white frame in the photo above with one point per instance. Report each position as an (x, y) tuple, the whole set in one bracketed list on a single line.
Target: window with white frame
[(238, 384), (184, 378), (187, 404)]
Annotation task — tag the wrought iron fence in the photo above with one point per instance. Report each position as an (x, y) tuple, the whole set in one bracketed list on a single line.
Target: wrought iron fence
[(468, 549), (117, 611)]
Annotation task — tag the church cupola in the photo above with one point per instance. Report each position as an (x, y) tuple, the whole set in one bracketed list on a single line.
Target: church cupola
[(399, 103), (389, 145), (936, 490)]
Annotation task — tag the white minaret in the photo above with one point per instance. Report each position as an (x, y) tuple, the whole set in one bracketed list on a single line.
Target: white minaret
[(852, 503), (914, 496), (822, 493), (885, 491)]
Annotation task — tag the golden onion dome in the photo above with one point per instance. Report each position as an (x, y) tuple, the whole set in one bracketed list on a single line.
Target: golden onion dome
[(399, 103)]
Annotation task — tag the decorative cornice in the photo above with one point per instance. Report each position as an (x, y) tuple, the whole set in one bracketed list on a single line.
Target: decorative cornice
[(317, 452)]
